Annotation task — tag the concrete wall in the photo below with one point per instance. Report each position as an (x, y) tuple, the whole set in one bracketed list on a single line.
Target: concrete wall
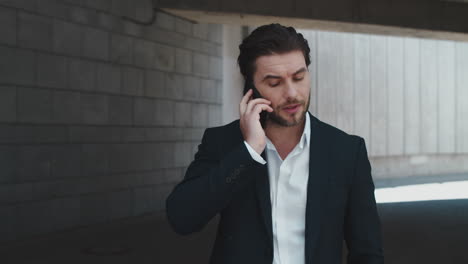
[(99, 116), (406, 96)]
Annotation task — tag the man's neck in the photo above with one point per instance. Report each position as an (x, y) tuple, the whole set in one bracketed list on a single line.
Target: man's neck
[(284, 138)]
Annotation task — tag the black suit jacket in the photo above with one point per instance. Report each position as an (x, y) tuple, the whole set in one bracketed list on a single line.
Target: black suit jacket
[(224, 179)]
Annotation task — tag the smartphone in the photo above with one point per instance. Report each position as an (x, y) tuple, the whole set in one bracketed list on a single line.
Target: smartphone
[(255, 95)]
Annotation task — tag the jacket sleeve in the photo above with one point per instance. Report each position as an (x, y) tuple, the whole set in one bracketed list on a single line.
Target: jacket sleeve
[(362, 224), (209, 184)]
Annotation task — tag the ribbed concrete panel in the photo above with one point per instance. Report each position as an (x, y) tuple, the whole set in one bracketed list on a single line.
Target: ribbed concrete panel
[(345, 87), (396, 110), (462, 97), (327, 77), (362, 86), (446, 96), (411, 96), (311, 37), (429, 106), (378, 79)]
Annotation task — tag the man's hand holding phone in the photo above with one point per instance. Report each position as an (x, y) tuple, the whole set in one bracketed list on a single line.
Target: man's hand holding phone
[(251, 128)]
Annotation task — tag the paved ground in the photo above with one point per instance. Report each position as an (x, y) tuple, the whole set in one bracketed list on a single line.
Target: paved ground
[(417, 232)]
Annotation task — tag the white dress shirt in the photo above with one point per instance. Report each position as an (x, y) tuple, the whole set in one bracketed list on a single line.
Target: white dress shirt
[(288, 193)]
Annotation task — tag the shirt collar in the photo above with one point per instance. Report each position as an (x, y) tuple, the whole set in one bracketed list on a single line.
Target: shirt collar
[(305, 138)]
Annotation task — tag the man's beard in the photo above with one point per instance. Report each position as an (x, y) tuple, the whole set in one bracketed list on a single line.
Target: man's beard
[(277, 119)]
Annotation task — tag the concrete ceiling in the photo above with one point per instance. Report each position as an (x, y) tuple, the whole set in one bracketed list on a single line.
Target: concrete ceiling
[(447, 19)]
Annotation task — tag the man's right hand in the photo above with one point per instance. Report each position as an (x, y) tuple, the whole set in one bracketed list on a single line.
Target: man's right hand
[(252, 131)]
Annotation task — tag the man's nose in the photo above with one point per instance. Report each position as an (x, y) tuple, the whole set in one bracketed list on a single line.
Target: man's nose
[(291, 90)]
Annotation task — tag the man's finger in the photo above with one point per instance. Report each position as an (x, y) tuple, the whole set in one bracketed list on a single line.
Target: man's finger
[(262, 107), (254, 102), (244, 101)]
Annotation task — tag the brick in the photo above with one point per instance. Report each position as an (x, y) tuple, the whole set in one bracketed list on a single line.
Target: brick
[(109, 22), (34, 162), (82, 15), (215, 33), (120, 110), (214, 115), (144, 112), (95, 134), (94, 208), (66, 213), (154, 83), (171, 134), (183, 26), (68, 38), (128, 158), (28, 134), (182, 154), (199, 115), (164, 112), (165, 21), (143, 52), (7, 104), (34, 105), (193, 43), (108, 78), (123, 8), (22, 4), (183, 61), (120, 204), (66, 161), (96, 44), (17, 66), (8, 228), (8, 134), (35, 32), (215, 68), (131, 28), (143, 9), (54, 8), (133, 134), (143, 200), (81, 75), (103, 5), (208, 90), (171, 38), (164, 57), (9, 162), (94, 109), (121, 49), (201, 65), (133, 79), (192, 86), (182, 114), (7, 26), (67, 107), (95, 158), (201, 30), (174, 86), (51, 71), (164, 157)]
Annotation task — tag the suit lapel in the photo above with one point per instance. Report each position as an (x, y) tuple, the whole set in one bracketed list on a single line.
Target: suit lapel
[(316, 187), (262, 186)]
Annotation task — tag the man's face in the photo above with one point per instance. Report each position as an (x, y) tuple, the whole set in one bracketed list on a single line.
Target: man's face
[(284, 80)]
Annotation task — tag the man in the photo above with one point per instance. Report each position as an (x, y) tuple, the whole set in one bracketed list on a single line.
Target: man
[(288, 187)]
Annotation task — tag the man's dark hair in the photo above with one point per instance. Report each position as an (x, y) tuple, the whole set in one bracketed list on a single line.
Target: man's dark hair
[(268, 40)]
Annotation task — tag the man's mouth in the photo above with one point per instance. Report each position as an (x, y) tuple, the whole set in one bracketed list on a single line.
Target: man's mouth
[(292, 108)]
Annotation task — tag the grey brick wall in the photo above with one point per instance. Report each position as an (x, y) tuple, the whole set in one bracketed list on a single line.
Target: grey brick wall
[(99, 117)]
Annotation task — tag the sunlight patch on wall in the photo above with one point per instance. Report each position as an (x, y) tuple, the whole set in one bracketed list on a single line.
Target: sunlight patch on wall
[(423, 192)]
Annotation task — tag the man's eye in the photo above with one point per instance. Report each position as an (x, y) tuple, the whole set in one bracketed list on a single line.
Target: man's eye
[(274, 84), (299, 79)]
